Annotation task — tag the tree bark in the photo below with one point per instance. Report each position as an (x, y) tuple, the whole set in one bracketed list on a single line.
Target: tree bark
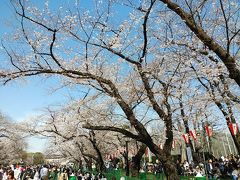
[(80, 164), (136, 161), (236, 140), (170, 169), (89, 164), (165, 157), (101, 167)]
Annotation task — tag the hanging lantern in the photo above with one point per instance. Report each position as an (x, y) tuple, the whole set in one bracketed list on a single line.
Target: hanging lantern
[(160, 146), (108, 157), (193, 134), (186, 138), (233, 128), (146, 151), (209, 131), (174, 144), (112, 156)]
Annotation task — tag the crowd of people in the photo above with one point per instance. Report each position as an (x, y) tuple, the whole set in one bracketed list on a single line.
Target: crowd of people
[(45, 172), (224, 167)]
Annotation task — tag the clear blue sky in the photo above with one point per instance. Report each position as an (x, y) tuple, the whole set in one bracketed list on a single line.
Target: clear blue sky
[(20, 100)]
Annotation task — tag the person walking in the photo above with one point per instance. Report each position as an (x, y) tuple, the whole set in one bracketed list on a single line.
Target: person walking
[(209, 168), (10, 175), (44, 173), (63, 175), (72, 176), (53, 174)]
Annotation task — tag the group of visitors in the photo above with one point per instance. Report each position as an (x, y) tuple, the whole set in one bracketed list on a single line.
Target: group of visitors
[(223, 167), (45, 172)]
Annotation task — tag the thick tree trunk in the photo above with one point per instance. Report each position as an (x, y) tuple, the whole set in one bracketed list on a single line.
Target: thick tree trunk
[(80, 164), (236, 140), (170, 169), (100, 162), (136, 161), (165, 157), (101, 167), (169, 166), (89, 164)]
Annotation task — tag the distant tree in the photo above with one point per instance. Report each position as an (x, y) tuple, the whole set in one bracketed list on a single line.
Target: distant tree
[(38, 158), (12, 142)]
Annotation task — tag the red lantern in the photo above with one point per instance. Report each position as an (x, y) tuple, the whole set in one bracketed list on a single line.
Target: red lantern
[(233, 128), (173, 144), (209, 131), (160, 146), (186, 138), (193, 134), (108, 157), (146, 151)]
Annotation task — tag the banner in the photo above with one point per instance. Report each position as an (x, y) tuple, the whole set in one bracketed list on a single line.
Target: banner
[(209, 131), (233, 128), (186, 138), (193, 134)]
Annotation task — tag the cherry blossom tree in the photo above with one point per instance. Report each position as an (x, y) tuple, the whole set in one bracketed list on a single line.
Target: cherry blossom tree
[(12, 143), (218, 30), (94, 67), (137, 62)]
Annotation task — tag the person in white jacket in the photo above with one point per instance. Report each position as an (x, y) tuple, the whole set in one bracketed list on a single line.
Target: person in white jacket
[(17, 172), (36, 175)]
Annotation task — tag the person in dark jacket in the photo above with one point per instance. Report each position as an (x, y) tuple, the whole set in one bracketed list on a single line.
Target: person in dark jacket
[(209, 167)]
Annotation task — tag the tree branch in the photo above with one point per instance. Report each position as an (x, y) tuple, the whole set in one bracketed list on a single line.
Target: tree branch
[(115, 129)]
